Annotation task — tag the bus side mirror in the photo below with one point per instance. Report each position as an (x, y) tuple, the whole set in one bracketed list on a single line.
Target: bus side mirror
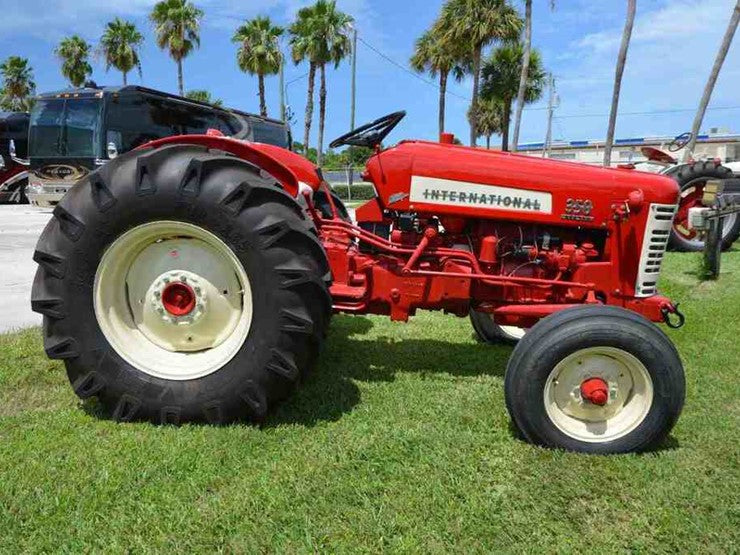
[(11, 148), (112, 150)]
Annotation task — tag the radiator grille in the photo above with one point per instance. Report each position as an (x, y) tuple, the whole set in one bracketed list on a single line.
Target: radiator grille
[(655, 241)]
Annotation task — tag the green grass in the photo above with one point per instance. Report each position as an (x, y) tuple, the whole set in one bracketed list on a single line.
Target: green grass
[(400, 441)]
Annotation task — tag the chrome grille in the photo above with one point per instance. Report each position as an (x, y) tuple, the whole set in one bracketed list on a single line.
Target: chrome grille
[(654, 243)]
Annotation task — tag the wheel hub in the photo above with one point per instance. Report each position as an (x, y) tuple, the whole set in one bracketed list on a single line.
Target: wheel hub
[(179, 297), (595, 390)]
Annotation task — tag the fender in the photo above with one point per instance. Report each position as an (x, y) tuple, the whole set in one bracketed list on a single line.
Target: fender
[(288, 168), (18, 174)]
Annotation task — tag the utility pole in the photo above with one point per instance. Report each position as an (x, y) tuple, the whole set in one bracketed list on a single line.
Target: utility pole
[(353, 94), (282, 89), (550, 110), (354, 77)]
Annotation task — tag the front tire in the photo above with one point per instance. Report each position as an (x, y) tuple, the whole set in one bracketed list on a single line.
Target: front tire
[(596, 379), (229, 239)]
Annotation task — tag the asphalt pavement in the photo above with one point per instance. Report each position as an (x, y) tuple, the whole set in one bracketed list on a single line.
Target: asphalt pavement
[(20, 227)]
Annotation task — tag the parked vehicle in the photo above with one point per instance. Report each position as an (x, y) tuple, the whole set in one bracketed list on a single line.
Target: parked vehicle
[(13, 157), (73, 132), (194, 279), (691, 178)]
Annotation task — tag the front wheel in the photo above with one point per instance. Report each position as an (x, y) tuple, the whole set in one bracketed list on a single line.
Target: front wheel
[(595, 379)]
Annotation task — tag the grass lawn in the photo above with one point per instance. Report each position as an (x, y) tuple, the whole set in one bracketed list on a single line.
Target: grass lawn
[(400, 441)]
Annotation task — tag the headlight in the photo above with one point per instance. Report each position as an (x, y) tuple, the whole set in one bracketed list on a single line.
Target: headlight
[(34, 187)]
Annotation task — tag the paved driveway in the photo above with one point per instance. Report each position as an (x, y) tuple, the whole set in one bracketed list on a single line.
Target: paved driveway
[(20, 227)]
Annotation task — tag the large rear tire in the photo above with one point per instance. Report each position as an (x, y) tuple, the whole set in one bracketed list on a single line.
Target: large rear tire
[(691, 179), (180, 284), (595, 379)]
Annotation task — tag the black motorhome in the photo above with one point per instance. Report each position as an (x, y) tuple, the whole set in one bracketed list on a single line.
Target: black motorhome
[(13, 156), (74, 131)]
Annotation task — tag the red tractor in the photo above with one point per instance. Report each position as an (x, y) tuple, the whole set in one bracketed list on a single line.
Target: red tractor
[(194, 278)]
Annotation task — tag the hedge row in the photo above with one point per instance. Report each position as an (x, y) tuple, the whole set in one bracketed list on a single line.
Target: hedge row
[(359, 192)]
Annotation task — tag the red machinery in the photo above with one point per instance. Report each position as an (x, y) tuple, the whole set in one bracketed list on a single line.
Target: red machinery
[(184, 282)]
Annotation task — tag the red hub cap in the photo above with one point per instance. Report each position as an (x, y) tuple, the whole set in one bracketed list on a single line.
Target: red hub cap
[(178, 299), (595, 390)]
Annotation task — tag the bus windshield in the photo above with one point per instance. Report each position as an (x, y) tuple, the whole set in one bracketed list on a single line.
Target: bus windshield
[(66, 128)]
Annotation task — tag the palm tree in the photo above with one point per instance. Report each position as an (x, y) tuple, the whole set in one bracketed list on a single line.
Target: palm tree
[(709, 87), (490, 118), (477, 23), (320, 35), (525, 69), (177, 25), (304, 47), (434, 54), (119, 46), (259, 51), (202, 95), (74, 52), (18, 86), (500, 75), (621, 59)]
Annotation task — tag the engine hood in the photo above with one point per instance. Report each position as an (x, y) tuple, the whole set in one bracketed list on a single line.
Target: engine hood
[(441, 178)]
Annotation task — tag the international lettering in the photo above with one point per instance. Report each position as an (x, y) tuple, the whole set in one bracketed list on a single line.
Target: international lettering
[(485, 200)]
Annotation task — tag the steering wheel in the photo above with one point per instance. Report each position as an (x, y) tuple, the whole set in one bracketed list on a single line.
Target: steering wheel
[(679, 142), (371, 134)]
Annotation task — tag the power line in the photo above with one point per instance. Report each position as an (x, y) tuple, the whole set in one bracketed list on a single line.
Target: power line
[(407, 70)]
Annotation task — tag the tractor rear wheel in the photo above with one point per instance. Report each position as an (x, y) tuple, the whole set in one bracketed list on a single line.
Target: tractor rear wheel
[(181, 284), (691, 179), (490, 332), (595, 379)]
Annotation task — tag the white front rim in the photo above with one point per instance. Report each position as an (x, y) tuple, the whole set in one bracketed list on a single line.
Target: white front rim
[(129, 282), (630, 394)]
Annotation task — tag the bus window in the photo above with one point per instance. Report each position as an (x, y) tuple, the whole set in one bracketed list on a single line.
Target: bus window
[(135, 119), (46, 128), (270, 133)]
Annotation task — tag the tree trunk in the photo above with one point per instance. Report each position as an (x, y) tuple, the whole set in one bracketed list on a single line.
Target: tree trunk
[(621, 59), (709, 87), (125, 79), (474, 105), (180, 85), (442, 99), (505, 127), (525, 72), (263, 105), (309, 107), (322, 114), (488, 142)]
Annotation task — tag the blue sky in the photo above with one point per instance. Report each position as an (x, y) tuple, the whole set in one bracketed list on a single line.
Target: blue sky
[(673, 47)]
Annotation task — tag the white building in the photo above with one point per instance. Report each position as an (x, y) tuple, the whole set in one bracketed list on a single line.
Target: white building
[(718, 143)]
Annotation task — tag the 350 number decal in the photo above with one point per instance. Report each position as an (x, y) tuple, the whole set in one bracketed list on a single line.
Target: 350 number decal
[(578, 209)]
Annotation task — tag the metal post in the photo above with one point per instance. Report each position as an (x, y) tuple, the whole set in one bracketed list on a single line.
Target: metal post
[(354, 77), (550, 109), (282, 88), (713, 249)]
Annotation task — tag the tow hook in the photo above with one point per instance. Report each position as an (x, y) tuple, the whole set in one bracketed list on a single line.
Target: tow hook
[(667, 310)]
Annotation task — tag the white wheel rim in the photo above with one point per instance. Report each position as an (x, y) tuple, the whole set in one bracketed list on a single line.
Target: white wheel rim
[(513, 332), (630, 394), (129, 282)]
